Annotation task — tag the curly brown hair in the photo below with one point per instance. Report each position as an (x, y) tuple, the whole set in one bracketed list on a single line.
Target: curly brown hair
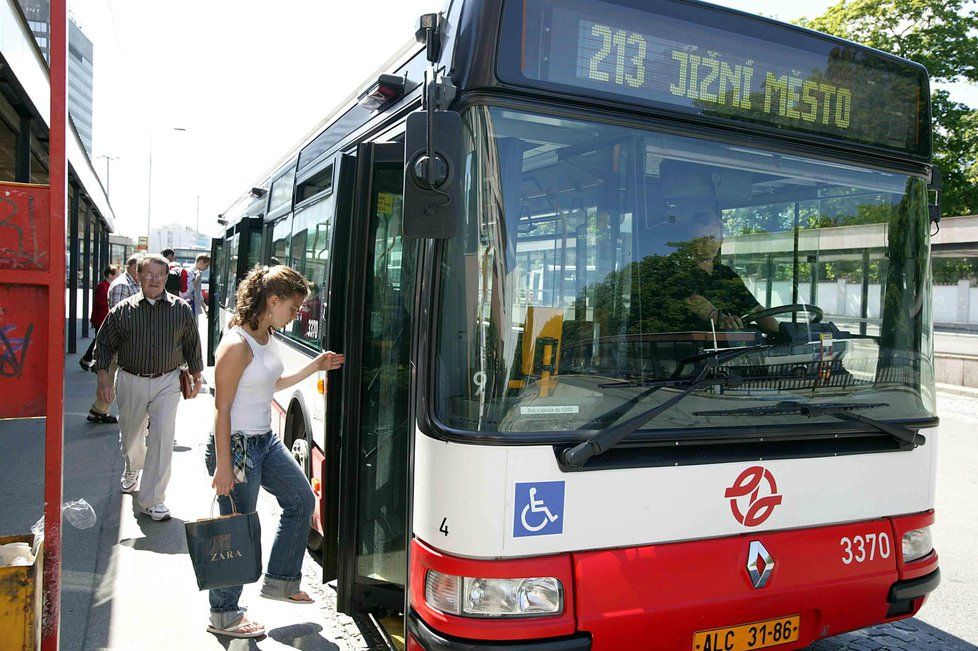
[(259, 285)]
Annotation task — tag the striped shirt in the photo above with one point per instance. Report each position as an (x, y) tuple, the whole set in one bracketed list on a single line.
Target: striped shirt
[(122, 287), (149, 338)]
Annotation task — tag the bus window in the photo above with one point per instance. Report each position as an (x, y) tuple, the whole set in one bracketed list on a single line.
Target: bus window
[(281, 235), (230, 284), (309, 256), (281, 194), (254, 248)]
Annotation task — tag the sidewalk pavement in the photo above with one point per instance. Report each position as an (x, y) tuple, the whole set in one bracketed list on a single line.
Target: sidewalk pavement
[(128, 582)]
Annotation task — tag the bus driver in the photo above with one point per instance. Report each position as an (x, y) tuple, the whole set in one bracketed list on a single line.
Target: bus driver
[(718, 292)]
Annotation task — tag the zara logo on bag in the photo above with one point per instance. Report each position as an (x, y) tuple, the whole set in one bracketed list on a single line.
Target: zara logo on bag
[(220, 549)]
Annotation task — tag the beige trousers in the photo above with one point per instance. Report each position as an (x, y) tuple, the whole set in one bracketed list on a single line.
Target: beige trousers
[(157, 399)]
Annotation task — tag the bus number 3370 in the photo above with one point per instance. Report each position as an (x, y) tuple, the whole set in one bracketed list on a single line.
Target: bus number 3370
[(865, 547)]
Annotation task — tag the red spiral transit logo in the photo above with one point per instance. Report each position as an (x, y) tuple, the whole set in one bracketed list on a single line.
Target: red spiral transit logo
[(757, 485)]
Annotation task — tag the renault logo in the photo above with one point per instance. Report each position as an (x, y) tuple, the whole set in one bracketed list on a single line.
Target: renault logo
[(760, 564)]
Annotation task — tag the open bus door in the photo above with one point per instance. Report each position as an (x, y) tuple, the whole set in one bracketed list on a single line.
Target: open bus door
[(375, 429)]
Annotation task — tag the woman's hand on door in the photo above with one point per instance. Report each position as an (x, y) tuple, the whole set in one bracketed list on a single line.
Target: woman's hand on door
[(329, 361)]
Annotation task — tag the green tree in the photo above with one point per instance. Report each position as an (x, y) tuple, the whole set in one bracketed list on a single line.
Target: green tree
[(943, 36)]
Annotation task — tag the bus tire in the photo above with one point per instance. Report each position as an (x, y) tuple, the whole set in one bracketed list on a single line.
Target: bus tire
[(296, 440)]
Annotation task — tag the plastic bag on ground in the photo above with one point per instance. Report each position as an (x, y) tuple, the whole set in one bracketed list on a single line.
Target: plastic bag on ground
[(78, 513)]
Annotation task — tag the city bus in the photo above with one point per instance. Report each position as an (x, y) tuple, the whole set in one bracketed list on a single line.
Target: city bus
[(635, 299)]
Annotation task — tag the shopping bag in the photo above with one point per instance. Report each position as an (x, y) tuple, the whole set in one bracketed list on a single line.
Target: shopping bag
[(225, 551)]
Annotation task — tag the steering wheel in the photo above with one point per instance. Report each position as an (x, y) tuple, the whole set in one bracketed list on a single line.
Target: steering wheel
[(814, 312)]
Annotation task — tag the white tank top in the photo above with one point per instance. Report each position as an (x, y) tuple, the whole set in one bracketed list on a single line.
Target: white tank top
[(251, 411)]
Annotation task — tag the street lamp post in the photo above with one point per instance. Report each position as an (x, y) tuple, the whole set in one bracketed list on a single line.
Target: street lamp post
[(149, 181), (108, 174)]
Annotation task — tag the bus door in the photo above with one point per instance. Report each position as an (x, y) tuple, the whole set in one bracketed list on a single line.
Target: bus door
[(376, 427), (213, 300)]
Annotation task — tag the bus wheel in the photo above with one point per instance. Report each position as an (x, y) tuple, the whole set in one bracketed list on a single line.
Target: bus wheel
[(298, 444), (300, 451)]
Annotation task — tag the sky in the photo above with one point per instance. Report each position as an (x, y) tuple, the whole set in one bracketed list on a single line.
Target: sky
[(214, 92)]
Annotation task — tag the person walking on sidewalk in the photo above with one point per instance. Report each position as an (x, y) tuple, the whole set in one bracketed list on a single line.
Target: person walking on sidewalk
[(127, 284), (153, 333), (176, 281), (124, 286), (244, 454), (100, 309), (195, 294)]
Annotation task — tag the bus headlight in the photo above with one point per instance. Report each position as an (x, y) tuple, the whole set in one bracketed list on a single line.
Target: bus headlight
[(473, 597), (917, 544)]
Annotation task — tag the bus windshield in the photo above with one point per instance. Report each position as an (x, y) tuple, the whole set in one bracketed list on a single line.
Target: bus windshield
[(597, 263)]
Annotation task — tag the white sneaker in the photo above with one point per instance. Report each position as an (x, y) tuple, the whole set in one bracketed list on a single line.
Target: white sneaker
[(158, 512), (129, 480)]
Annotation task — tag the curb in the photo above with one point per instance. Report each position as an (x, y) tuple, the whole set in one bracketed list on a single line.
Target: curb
[(958, 390)]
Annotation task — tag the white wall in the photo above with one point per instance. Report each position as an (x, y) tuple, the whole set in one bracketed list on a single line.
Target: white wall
[(952, 303)]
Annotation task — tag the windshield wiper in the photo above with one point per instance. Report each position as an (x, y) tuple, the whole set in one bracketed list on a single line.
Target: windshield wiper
[(714, 357), (908, 438), (612, 436)]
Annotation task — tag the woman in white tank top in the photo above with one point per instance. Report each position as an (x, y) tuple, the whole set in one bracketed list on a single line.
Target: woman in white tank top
[(244, 453)]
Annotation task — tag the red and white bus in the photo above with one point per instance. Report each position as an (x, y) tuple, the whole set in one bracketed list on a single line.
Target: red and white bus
[(636, 304)]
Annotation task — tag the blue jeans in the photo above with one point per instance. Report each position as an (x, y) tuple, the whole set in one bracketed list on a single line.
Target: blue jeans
[(273, 467)]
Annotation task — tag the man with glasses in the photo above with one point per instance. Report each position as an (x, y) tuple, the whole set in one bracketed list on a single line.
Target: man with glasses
[(153, 333)]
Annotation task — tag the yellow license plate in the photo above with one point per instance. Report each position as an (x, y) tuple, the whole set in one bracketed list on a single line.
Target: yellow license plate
[(745, 637)]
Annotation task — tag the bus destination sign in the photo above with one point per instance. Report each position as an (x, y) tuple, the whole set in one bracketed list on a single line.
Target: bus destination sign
[(698, 59)]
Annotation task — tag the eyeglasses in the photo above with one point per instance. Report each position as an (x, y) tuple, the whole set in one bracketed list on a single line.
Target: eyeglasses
[(152, 276)]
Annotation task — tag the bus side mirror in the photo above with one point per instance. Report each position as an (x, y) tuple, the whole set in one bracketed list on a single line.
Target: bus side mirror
[(432, 187), (934, 188)]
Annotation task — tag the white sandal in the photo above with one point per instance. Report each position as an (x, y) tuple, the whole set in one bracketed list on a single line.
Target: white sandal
[(235, 629), (290, 599)]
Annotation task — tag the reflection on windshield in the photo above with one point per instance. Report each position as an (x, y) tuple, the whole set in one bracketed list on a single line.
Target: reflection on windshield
[(596, 258)]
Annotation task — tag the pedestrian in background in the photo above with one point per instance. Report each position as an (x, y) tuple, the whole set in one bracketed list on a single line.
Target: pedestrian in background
[(194, 294), (153, 333), (244, 453), (176, 280), (100, 309), (125, 285)]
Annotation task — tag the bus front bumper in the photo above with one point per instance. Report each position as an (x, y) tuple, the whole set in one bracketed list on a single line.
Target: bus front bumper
[(421, 636)]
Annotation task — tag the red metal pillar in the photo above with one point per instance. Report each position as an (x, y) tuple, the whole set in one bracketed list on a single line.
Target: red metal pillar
[(54, 427)]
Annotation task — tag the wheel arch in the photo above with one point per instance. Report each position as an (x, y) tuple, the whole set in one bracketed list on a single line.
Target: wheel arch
[(296, 409)]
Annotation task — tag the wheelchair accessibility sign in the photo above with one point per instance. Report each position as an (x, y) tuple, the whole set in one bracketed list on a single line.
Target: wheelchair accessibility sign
[(539, 509)]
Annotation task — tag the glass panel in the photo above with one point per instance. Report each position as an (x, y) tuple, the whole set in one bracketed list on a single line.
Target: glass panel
[(384, 387), (281, 234), (230, 284), (310, 257), (596, 259), (254, 246), (282, 191), (217, 269)]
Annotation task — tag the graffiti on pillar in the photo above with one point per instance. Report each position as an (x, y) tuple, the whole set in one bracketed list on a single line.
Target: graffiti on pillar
[(13, 350), (24, 227), (23, 350)]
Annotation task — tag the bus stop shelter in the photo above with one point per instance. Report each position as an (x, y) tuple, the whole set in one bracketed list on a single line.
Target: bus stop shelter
[(49, 196)]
